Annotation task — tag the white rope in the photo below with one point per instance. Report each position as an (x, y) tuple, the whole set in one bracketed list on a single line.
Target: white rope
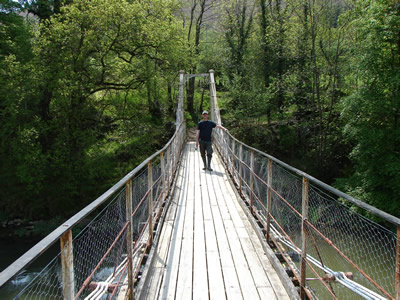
[(339, 276), (102, 286)]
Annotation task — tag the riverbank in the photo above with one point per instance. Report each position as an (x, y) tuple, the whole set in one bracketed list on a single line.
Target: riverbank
[(32, 231)]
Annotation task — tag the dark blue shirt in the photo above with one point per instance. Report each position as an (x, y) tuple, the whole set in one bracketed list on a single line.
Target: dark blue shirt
[(205, 128)]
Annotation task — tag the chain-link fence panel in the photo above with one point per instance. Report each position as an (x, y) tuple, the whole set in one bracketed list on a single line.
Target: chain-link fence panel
[(93, 256), (348, 255), (118, 224), (350, 242)]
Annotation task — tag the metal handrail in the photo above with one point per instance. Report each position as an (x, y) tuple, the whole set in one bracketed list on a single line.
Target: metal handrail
[(229, 146), (377, 212), (54, 236), (64, 230), (229, 157)]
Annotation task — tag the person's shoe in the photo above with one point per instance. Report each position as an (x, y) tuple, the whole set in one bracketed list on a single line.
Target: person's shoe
[(209, 169), (204, 168)]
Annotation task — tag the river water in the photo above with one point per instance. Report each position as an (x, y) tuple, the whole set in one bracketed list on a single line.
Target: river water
[(10, 250), (13, 249)]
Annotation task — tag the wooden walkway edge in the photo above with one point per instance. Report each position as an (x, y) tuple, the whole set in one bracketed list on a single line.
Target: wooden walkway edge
[(208, 248)]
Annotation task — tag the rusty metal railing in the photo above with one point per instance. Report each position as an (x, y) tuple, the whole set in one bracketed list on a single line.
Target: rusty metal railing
[(340, 253), (107, 255)]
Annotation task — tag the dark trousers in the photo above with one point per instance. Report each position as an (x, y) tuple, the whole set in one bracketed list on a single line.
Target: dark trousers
[(206, 147)]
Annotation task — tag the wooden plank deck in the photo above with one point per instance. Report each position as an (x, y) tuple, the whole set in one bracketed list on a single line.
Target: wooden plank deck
[(207, 247)]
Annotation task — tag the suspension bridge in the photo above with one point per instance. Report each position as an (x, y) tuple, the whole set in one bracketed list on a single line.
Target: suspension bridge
[(253, 228)]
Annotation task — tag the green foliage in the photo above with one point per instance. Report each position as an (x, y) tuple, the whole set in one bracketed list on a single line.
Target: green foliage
[(90, 91), (84, 109), (15, 34), (43, 228), (291, 82), (372, 112), (238, 27)]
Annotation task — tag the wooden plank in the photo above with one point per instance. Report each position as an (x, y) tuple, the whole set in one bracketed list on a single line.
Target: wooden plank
[(265, 276), (200, 278), (157, 270), (269, 271), (255, 264), (170, 275), (184, 285), (232, 286), (239, 222), (207, 214), (246, 279), (213, 251), (267, 293), (152, 290), (215, 276), (156, 273), (273, 277)]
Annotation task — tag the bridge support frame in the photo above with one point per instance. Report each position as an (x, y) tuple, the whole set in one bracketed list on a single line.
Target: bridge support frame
[(252, 181), (304, 209), (129, 236), (398, 265), (150, 187), (67, 265), (269, 200), (163, 187), (240, 168), (232, 157)]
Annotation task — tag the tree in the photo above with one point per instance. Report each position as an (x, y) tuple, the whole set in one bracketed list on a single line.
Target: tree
[(200, 11), (15, 34), (276, 57), (238, 26), (372, 111), (44, 9), (90, 53)]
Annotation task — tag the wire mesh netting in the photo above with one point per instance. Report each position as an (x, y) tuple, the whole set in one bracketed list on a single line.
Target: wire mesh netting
[(338, 238), (100, 248), (47, 284), (140, 209), (366, 245), (95, 261), (89, 250)]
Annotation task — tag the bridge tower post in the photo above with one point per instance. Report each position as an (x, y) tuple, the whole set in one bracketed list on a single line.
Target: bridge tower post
[(150, 190), (240, 168), (398, 265), (212, 96), (269, 187), (232, 158), (181, 92), (129, 236), (163, 188), (304, 209), (252, 181), (67, 266)]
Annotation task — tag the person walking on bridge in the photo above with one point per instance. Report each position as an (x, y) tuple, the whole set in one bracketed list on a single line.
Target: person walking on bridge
[(203, 138)]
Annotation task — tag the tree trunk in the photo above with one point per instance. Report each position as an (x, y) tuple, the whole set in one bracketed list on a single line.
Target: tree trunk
[(190, 94), (264, 42)]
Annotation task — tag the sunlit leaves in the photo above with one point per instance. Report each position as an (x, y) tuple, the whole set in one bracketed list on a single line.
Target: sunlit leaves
[(372, 112)]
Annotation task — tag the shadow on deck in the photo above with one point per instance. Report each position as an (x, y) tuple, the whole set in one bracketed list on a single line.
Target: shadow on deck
[(208, 248)]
